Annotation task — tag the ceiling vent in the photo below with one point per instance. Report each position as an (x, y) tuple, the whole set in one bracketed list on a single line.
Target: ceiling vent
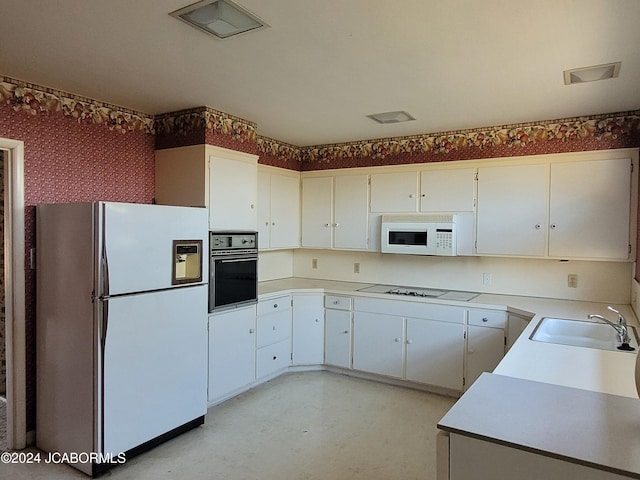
[(391, 117), (220, 18), (592, 74)]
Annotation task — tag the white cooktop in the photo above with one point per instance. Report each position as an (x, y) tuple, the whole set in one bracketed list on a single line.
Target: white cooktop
[(421, 292)]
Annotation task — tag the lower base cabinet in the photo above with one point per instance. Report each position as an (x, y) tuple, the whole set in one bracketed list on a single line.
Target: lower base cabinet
[(378, 343), (273, 340), (485, 342), (435, 353), (337, 340), (308, 329), (232, 351), (272, 358)]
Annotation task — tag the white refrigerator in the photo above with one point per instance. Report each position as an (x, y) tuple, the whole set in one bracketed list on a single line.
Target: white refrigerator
[(121, 325)]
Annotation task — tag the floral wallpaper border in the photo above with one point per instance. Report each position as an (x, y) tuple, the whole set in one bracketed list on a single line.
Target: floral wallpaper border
[(186, 121), (611, 126), (35, 99)]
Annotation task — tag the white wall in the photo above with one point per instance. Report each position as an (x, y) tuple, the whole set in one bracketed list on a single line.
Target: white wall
[(597, 281), (275, 264)]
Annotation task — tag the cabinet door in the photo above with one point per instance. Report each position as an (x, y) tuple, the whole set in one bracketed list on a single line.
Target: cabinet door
[(485, 349), (435, 353), (351, 217), (512, 210), (378, 343), (232, 346), (233, 188), (308, 329), (394, 192), (447, 190), (337, 347), (285, 211), (264, 210), (589, 209), (317, 208)]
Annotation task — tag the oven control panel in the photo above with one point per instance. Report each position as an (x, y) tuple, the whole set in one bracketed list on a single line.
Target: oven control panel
[(233, 240)]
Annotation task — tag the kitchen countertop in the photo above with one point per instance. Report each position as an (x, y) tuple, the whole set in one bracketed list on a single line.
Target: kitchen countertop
[(587, 428)]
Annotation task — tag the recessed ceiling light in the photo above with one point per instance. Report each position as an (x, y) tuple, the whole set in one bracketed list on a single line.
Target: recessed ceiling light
[(592, 74), (220, 18), (391, 117)]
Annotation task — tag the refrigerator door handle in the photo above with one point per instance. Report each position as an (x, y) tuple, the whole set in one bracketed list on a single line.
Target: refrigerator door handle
[(103, 257)]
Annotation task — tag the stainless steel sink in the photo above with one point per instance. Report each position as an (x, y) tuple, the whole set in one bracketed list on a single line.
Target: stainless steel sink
[(580, 333)]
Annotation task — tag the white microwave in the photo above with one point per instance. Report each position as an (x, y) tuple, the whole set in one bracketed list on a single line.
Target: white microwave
[(428, 234)]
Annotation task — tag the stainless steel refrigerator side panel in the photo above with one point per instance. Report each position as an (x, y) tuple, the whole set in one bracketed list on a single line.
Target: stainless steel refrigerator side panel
[(65, 341)]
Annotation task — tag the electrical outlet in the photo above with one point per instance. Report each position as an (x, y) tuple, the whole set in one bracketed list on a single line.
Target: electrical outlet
[(356, 267), (486, 279), (572, 280), (314, 263)]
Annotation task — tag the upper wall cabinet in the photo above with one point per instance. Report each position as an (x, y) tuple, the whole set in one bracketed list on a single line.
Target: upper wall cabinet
[(560, 209), (441, 190), (335, 212), (278, 209), (447, 190), (394, 192), (223, 180)]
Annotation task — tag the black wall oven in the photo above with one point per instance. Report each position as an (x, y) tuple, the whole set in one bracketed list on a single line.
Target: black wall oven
[(233, 269)]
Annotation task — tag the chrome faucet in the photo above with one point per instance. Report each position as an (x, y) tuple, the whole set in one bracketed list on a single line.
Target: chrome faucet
[(620, 328)]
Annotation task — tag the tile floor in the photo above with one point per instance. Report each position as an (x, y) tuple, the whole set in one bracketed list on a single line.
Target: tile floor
[(312, 426)]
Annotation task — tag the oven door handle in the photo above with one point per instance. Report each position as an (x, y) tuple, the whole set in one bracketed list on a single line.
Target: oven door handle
[(234, 260)]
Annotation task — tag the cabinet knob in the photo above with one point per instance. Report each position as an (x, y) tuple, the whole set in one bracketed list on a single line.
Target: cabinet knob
[(317, 320), (485, 319), (336, 224), (423, 195), (251, 330), (553, 226), (273, 223), (397, 340), (274, 328), (252, 205), (336, 302), (275, 305), (346, 331), (266, 224), (409, 342), (326, 224), (538, 226), (412, 195)]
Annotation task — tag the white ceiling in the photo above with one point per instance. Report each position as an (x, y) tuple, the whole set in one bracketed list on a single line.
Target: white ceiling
[(323, 65)]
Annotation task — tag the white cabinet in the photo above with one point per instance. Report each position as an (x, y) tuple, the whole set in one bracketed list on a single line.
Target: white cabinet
[(278, 209), (273, 339), (571, 209), (512, 210), (338, 329), (394, 192), (589, 209), (485, 342), (378, 343), (233, 185), (415, 341), (232, 350), (334, 212), (435, 353), (449, 190), (223, 180), (308, 329)]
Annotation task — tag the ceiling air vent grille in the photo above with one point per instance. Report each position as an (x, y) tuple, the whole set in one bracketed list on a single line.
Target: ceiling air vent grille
[(391, 117), (591, 74)]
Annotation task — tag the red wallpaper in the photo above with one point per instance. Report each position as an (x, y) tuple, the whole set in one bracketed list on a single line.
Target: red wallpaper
[(67, 161)]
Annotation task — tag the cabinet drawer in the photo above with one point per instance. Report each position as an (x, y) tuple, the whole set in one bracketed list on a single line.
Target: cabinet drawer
[(272, 358), (487, 318), (273, 328), (337, 302), (276, 304)]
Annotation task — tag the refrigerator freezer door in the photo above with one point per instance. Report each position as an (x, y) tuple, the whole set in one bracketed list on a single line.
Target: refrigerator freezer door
[(155, 365), (139, 243)]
